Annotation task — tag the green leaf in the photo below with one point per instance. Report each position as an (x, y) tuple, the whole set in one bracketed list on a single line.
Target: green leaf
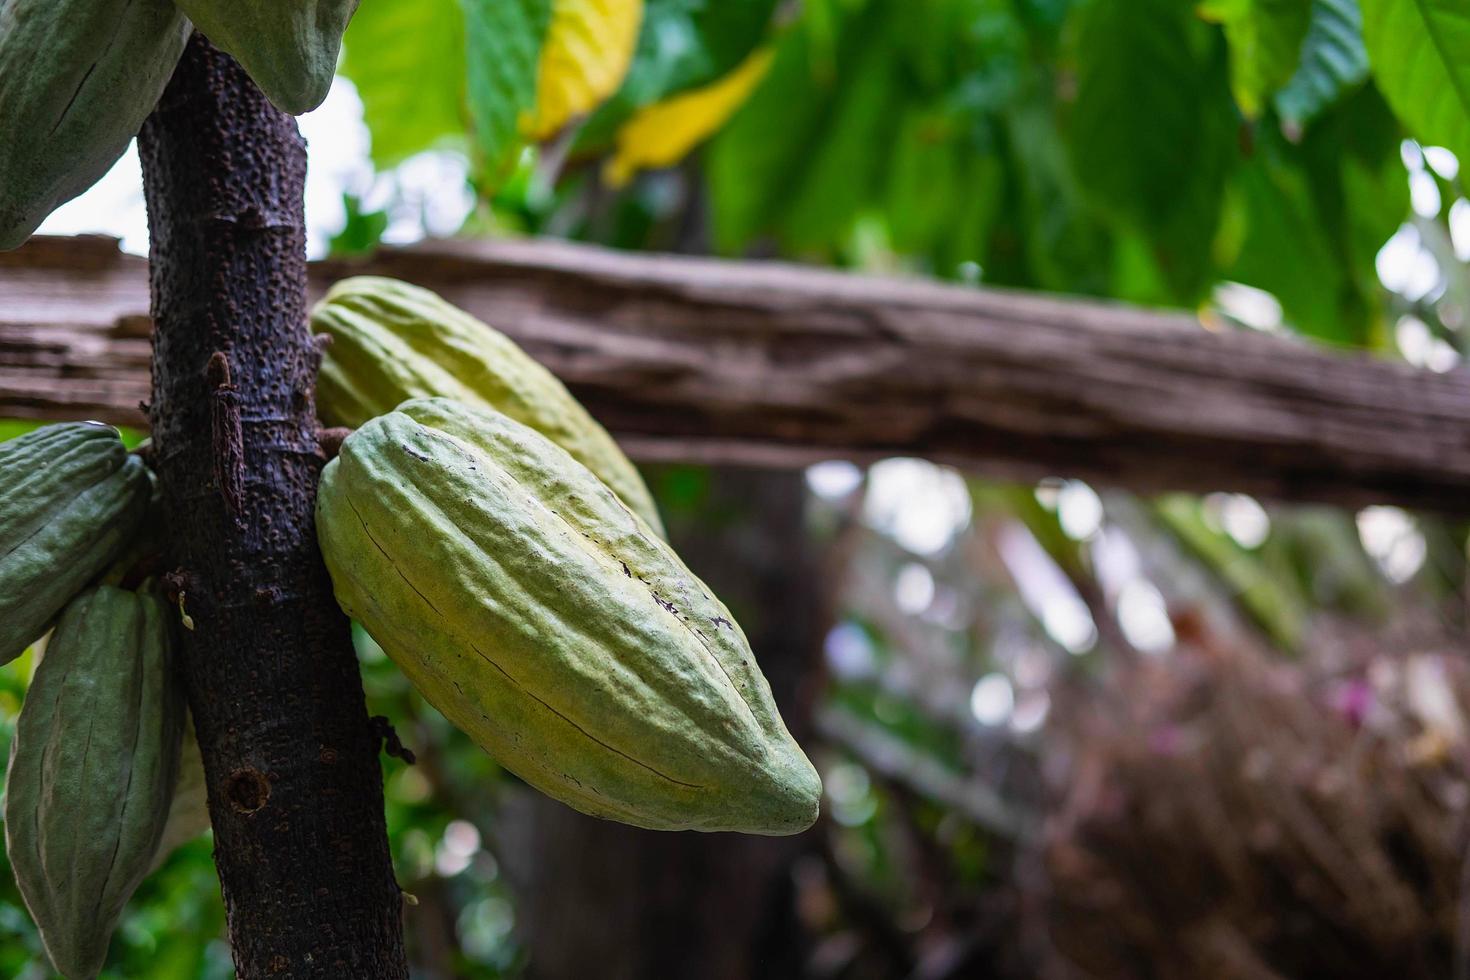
[(361, 233), (1333, 60), (864, 106), (1151, 129), (844, 172), (1420, 51), (1265, 41), (503, 43), (14, 429), (1286, 251), (1317, 212), (1137, 104), (407, 59), (798, 160), (755, 164), (924, 181), (1064, 244), (971, 52), (688, 43), (1357, 178), (683, 44), (942, 196)]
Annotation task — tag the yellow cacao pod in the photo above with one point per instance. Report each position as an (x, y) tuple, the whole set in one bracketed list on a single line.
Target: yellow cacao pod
[(77, 79), (92, 771), (392, 341), (288, 47), (551, 625)]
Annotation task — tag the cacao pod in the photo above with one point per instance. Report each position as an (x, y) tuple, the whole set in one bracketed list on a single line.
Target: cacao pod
[(288, 47), (392, 341), (77, 79), (71, 499), (92, 770), (188, 812), (546, 621)]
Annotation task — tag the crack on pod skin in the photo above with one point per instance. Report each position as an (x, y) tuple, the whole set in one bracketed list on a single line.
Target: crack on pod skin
[(77, 93), (74, 96), (606, 549), (391, 562), (506, 674), (532, 694), (603, 549), (21, 544)]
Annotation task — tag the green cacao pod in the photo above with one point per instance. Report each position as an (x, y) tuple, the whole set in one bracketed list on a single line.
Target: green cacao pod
[(546, 621), (392, 341), (77, 79), (289, 47), (71, 499), (92, 770), (188, 812)]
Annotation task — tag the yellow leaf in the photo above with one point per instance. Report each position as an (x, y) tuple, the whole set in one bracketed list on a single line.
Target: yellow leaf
[(588, 48), (662, 134)]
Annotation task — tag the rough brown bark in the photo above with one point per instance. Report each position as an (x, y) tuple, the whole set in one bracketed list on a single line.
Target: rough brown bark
[(766, 364), (295, 790), (600, 899)]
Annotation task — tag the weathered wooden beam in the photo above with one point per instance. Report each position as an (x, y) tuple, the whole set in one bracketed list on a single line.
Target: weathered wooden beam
[(772, 364)]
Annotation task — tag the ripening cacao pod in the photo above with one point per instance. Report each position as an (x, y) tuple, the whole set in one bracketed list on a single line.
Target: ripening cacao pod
[(71, 499), (288, 47), (392, 341), (77, 79), (550, 624), (92, 770)]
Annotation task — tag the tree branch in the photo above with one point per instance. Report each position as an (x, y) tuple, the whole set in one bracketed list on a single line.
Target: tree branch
[(769, 364), (291, 764)]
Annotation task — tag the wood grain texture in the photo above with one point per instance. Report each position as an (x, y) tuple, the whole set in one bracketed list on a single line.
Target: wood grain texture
[(779, 365)]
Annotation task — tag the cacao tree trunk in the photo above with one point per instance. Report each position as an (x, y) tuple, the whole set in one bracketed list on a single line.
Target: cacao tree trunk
[(600, 899), (295, 789)]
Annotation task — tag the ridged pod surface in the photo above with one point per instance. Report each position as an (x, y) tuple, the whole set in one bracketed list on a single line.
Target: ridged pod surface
[(92, 771), (71, 499), (77, 79), (392, 341), (188, 812), (288, 47), (549, 623)]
